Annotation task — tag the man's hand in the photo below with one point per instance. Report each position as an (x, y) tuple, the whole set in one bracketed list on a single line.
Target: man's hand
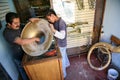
[(37, 39), (34, 19), (52, 28)]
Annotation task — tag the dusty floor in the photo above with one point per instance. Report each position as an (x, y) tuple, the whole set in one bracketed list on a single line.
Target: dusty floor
[(80, 70)]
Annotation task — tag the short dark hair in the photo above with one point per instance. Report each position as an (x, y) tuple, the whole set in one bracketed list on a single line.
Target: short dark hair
[(10, 16), (49, 12)]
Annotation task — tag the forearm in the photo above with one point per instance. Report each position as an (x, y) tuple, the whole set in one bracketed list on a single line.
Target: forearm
[(60, 35), (26, 41)]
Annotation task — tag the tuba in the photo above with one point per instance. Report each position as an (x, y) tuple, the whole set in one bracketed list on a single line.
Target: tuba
[(100, 49), (103, 51), (38, 29)]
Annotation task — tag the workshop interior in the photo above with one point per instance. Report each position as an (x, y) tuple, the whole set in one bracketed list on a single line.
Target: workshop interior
[(92, 34)]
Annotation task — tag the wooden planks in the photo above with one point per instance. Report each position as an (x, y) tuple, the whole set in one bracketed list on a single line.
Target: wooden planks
[(49, 68), (115, 40)]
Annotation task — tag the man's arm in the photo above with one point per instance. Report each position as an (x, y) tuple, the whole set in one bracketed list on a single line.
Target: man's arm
[(34, 19), (21, 41), (58, 34)]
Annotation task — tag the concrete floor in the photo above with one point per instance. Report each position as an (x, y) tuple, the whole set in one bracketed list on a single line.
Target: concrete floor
[(80, 70)]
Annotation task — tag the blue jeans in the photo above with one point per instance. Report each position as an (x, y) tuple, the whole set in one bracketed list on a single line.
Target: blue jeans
[(65, 60), (21, 69)]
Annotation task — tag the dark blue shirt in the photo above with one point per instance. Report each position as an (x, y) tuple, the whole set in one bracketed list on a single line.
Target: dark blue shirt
[(61, 25), (10, 35)]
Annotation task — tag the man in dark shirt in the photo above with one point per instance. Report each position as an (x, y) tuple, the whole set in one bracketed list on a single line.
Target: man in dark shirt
[(58, 27), (12, 35), (59, 30)]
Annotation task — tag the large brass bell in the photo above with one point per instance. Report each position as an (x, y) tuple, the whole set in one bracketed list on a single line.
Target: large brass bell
[(37, 29)]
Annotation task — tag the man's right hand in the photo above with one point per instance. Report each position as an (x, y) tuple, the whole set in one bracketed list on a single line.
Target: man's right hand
[(34, 19), (37, 39)]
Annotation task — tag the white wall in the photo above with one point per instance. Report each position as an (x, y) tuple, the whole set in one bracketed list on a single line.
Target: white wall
[(68, 10), (111, 22), (111, 25)]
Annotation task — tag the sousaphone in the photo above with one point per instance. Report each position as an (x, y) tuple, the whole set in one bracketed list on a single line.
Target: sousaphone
[(102, 51), (41, 30)]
